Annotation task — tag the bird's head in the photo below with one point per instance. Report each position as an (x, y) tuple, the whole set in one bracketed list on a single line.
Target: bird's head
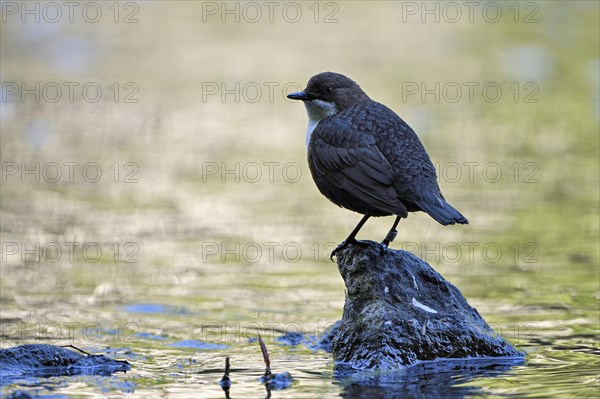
[(329, 93)]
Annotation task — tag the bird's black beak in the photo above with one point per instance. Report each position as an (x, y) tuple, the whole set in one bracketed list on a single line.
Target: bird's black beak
[(300, 95)]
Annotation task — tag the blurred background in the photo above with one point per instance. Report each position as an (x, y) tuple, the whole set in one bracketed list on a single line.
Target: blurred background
[(156, 203)]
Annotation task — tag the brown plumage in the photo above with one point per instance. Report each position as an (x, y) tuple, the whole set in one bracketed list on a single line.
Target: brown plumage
[(364, 157)]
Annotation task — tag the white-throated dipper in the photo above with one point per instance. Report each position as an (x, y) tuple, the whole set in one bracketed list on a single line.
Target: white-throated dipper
[(364, 157)]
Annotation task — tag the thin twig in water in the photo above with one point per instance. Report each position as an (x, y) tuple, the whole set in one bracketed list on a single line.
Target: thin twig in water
[(74, 347), (123, 362), (265, 354), (226, 381)]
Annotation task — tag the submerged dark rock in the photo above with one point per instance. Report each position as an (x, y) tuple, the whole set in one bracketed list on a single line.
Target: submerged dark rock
[(43, 360), (399, 311)]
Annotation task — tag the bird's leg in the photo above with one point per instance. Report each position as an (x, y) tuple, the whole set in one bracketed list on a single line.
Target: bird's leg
[(351, 239), (391, 234)]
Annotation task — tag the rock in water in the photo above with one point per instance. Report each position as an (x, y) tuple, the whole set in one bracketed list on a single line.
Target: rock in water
[(400, 311), (48, 360)]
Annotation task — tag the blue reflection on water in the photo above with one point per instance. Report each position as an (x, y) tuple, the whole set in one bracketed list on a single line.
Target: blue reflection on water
[(192, 343), (433, 379), (154, 308)]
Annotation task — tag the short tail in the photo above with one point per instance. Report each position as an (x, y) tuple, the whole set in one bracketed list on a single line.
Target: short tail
[(441, 211)]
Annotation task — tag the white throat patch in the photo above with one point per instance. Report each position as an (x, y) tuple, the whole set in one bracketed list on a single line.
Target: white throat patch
[(317, 110)]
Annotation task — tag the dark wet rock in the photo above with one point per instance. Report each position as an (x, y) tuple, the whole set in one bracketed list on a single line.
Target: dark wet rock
[(327, 336), (400, 311), (49, 360)]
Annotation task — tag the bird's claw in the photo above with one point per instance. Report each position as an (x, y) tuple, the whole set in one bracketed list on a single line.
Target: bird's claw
[(382, 248), (391, 235), (345, 243)]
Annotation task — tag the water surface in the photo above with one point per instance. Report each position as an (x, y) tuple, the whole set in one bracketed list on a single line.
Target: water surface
[(168, 222)]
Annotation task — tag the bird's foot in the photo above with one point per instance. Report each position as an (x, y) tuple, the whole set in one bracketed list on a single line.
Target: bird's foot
[(391, 235), (345, 243)]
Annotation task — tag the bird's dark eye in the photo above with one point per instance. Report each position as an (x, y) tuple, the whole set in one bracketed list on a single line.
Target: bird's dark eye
[(330, 89)]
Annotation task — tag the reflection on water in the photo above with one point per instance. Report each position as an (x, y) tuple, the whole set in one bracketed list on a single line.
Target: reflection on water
[(445, 379), (119, 235)]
